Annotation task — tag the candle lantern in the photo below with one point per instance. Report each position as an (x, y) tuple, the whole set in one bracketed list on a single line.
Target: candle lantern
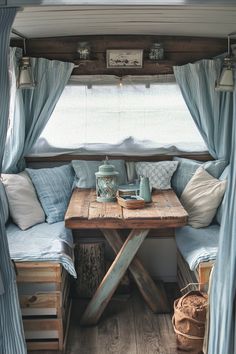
[(156, 52), (106, 183)]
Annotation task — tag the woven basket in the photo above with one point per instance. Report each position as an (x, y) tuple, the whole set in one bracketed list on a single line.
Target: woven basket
[(189, 321)]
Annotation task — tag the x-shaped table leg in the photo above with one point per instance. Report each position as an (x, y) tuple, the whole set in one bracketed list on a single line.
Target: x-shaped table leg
[(154, 297), (113, 276)]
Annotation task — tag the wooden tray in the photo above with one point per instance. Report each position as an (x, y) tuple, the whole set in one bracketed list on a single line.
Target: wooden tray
[(130, 201)]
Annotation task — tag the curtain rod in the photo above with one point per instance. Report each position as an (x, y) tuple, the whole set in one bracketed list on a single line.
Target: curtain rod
[(18, 34)]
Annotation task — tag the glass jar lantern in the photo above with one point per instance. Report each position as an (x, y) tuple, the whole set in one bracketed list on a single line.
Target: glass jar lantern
[(156, 52), (84, 50), (106, 183)]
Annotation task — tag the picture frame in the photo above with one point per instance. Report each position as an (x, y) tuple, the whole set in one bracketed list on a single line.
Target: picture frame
[(124, 58)]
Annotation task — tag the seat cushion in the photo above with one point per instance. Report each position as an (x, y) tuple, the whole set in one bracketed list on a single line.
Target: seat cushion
[(187, 167), (33, 239), (197, 245), (42, 243), (53, 187)]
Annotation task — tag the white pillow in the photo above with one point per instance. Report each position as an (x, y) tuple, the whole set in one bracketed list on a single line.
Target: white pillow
[(24, 206), (159, 173), (201, 198)]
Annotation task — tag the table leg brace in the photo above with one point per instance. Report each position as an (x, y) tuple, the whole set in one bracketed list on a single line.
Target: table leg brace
[(154, 297), (112, 278)]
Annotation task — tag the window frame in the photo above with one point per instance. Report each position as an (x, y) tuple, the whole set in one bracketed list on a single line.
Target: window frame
[(90, 80)]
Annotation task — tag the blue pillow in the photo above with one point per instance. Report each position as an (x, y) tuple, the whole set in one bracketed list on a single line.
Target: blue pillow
[(220, 209), (85, 172), (53, 187), (188, 167)]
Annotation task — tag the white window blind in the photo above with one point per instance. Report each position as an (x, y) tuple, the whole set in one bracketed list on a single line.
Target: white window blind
[(96, 114)]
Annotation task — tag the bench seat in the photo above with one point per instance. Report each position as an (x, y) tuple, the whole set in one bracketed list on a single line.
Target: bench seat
[(198, 245)]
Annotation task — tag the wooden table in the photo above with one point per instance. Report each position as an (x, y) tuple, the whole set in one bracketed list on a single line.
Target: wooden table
[(84, 212)]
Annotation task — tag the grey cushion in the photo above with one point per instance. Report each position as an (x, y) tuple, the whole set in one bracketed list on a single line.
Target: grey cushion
[(219, 213), (53, 187), (197, 245), (188, 167), (85, 172), (4, 202)]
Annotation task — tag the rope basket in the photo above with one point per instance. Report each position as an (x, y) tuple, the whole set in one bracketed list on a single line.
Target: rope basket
[(189, 321)]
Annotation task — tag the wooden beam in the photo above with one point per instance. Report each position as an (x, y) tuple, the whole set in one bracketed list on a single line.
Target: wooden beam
[(161, 157), (28, 3), (178, 50)]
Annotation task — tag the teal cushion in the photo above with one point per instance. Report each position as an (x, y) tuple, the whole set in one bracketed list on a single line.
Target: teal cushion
[(53, 187), (85, 172), (4, 202), (220, 209), (188, 167)]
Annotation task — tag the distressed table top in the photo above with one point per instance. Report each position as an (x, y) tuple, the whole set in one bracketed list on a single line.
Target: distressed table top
[(84, 212)]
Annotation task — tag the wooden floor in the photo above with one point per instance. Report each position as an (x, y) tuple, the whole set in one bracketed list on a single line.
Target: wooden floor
[(127, 327)]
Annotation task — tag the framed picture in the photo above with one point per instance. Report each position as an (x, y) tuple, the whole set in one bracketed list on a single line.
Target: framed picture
[(124, 58)]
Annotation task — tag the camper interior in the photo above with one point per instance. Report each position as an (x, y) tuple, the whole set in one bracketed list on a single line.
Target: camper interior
[(118, 164)]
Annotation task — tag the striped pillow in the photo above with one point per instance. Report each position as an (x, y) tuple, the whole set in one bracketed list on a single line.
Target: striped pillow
[(53, 187)]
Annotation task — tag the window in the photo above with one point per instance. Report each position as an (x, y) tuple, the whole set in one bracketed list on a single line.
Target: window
[(128, 116)]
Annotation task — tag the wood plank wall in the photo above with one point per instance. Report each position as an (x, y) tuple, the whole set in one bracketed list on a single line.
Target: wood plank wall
[(178, 51)]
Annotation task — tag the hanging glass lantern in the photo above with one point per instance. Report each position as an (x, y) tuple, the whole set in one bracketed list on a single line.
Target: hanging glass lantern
[(106, 183), (156, 52)]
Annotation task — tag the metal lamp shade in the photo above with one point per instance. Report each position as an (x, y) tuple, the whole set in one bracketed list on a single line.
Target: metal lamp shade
[(25, 80), (226, 81), (106, 183)]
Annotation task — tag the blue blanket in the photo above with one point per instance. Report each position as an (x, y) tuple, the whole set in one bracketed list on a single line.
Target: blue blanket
[(42, 242), (198, 245)]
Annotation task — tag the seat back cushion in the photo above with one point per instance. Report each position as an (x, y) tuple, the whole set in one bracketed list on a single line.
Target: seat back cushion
[(201, 198), (85, 172), (24, 205), (187, 167), (53, 187), (4, 202), (159, 173)]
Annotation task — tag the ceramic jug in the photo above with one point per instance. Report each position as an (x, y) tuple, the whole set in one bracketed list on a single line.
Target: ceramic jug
[(145, 191)]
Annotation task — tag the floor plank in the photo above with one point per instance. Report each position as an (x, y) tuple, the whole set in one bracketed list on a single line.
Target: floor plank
[(127, 326), (154, 333), (116, 332)]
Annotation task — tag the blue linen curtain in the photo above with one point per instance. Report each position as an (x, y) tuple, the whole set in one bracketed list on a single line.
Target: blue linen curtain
[(33, 109), (16, 129), (214, 114), (212, 111), (11, 329)]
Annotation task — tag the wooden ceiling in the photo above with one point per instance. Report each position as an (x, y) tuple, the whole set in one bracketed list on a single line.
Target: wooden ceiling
[(213, 19)]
